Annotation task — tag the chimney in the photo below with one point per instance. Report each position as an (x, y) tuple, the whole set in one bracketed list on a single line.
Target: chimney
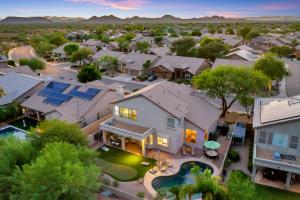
[(120, 91)]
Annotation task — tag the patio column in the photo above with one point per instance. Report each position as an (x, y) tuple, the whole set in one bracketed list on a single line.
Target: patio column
[(143, 147), (104, 137), (123, 143), (253, 174), (288, 180), (38, 116)]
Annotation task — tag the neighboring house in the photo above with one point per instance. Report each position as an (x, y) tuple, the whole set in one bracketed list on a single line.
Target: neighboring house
[(245, 48), (74, 102), (231, 62), (292, 82), (98, 55), (77, 35), (265, 43), (276, 124), (132, 63), (3, 61), (60, 53), (93, 45), (19, 69), (297, 51), (160, 51), (167, 41), (179, 67), (162, 116), (242, 55), (18, 87)]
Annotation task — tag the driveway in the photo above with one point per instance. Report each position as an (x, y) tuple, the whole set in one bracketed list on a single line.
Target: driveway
[(54, 69)]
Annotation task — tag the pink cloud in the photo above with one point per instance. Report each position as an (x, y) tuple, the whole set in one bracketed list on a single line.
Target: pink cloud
[(117, 4), (293, 4)]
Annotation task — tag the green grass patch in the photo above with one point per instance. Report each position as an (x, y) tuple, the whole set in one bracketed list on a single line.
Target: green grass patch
[(122, 165), (269, 193)]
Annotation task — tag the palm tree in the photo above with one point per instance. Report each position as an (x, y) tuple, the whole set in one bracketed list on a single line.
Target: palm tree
[(188, 190), (2, 92), (175, 191), (161, 194)]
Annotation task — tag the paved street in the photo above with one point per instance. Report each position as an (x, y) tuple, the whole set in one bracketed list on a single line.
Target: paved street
[(58, 70)]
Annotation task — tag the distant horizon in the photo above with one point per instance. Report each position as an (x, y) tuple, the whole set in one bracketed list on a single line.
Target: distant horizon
[(150, 8)]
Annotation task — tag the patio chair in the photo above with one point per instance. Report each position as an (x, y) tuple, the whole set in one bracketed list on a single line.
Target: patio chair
[(163, 169), (168, 163), (183, 151)]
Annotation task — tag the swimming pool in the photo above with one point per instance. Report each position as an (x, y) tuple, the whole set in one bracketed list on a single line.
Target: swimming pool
[(182, 177), (11, 130)]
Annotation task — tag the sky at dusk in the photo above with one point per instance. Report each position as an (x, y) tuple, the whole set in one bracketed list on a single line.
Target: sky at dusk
[(149, 8)]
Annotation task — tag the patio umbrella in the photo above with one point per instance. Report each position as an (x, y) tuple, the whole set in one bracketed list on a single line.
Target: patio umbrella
[(211, 145)]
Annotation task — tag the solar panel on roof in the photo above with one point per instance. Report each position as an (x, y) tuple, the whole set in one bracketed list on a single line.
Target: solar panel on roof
[(64, 97), (53, 101), (89, 94)]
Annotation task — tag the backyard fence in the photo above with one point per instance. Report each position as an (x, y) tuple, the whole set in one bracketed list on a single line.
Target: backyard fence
[(119, 193)]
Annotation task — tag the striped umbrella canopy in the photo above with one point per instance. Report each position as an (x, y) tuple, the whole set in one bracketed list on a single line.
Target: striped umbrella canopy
[(212, 145)]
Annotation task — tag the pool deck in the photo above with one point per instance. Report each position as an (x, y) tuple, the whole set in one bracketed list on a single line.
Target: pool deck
[(148, 178)]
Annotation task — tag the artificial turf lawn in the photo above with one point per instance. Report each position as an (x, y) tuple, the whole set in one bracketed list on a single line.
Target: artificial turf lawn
[(122, 165)]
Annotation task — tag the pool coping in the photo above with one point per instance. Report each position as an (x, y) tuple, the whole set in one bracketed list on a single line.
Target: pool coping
[(148, 178), (11, 126)]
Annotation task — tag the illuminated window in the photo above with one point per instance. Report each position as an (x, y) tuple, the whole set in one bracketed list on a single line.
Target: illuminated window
[(171, 122), (150, 139), (117, 112), (190, 136), (128, 113), (162, 141)]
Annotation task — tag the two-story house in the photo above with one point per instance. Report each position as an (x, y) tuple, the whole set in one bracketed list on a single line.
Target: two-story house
[(276, 142), (162, 116)]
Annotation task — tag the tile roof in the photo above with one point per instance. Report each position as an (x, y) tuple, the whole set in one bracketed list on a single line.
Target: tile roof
[(172, 62), (180, 101), (135, 61), (235, 63), (15, 85)]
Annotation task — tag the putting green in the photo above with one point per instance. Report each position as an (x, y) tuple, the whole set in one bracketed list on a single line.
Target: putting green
[(122, 165)]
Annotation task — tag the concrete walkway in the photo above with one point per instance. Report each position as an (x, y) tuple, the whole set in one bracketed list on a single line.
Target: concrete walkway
[(242, 164)]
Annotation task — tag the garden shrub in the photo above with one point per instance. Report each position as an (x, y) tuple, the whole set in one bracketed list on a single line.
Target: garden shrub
[(233, 155), (10, 111), (116, 183), (141, 194)]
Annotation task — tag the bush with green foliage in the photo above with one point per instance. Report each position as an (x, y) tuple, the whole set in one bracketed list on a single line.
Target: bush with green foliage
[(183, 47), (11, 63), (88, 73), (142, 77), (233, 155), (81, 55), (70, 48), (33, 63), (116, 183), (10, 111), (141, 194)]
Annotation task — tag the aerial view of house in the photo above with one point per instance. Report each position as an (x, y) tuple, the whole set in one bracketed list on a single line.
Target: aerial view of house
[(168, 100)]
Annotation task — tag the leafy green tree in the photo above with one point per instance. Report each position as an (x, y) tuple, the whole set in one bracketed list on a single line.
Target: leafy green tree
[(229, 31), (252, 34), (123, 44), (14, 153), (62, 171), (43, 48), (184, 46), (56, 38), (108, 62), (294, 43), (271, 67), (128, 36), (55, 130), (196, 32), (88, 73), (230, 84), (81, 55), (240, 187), (175, 190), (158, 40), (71, 48), (146, 66), (143, 47), (33, 63), (211, 48), (104, 38), (281, 51), (187, 191), (244, 31)]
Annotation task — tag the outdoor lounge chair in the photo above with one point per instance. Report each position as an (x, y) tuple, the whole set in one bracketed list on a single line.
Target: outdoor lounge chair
[(163, 169), (168, 163)]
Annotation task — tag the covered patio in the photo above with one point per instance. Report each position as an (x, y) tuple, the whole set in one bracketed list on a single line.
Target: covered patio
[(125, 135)]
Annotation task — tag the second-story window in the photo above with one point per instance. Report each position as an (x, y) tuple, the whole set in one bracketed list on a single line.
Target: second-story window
[(127, 113), (171, 122), (294, 142)]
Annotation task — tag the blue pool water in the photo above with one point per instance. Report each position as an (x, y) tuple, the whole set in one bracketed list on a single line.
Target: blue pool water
[(11, 130), (181, 178)]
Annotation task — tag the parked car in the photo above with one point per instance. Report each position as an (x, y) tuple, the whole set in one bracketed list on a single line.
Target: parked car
[(151, 78)]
